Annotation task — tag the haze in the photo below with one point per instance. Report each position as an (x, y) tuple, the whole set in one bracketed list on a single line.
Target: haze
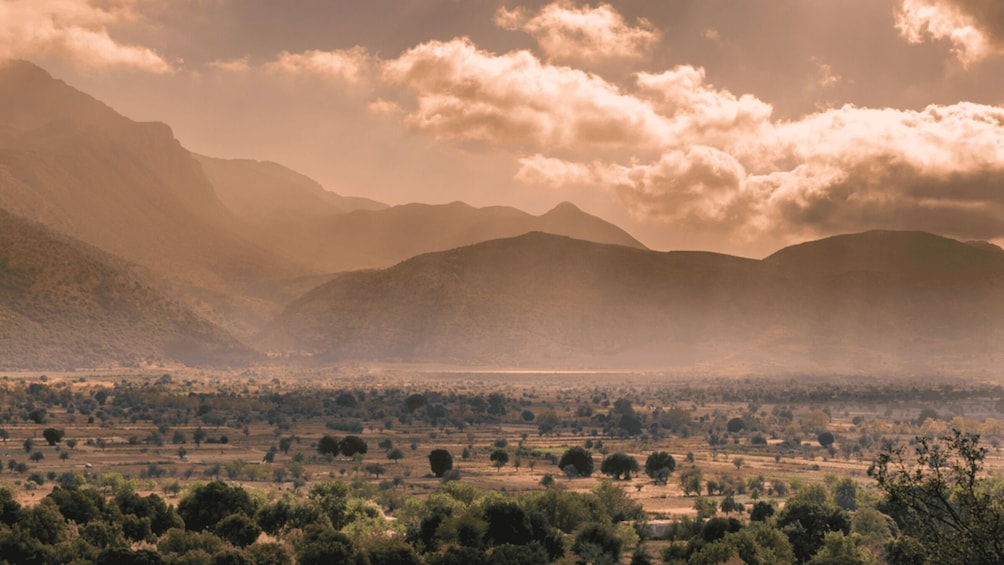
[(737, 127)]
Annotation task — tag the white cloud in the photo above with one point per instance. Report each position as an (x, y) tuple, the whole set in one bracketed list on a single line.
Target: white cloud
[(465, 93), (699, 112), (974, 27), (584, 34), (384, 107), (553, 172), (350, 65), (676, 149), (73, 29)]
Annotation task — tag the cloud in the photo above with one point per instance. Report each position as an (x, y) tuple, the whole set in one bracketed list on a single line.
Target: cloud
[(467, 94), (681, 151), (939, 168), (232, 65), (974, 27), (699, 112), (553, 172), (73, 29), (383, 107), (843, 169), (566, 33), (699, 185), (350, 65), (827, 78)]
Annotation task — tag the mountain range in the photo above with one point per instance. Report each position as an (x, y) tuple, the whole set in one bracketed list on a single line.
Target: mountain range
[(902, 302), (234, 240), (118, 246)]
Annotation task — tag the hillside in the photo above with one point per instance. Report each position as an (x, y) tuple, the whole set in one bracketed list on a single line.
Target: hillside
[(294, 216), (894, 301), (73, 164), (264, 193), (380, 238), (64, 304), (231, 239)]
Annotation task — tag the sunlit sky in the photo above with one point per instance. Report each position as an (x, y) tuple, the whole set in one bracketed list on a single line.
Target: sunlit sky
[(728, 125)]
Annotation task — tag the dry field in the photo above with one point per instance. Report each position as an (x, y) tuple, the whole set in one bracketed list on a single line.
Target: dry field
[(118, 445)]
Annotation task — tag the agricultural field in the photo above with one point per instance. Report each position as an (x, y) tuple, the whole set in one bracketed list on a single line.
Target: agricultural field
[(674, 455)]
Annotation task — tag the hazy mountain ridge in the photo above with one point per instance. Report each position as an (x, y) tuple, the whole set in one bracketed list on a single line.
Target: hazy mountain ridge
[(899, 300), (65, 304), (237, 240), (130, 188), (293, 215), (231, 239)]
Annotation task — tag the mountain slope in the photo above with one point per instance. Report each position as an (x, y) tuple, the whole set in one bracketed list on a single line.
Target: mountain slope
[(232, 239), (380, 238), (130, 188), (292, 215), (65, 304), (521, 300), (264, 193), (889, 301)]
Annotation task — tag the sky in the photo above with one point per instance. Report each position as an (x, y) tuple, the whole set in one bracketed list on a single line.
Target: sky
[(729, 125)]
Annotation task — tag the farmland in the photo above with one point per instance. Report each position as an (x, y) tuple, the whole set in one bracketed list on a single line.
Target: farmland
[(742, 441)]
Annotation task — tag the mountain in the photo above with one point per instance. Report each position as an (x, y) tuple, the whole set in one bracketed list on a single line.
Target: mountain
[(293, 215), (73, 164), (889, 301), (530, 299), (381, 238), (64, 304), (265, 193), (235, 240)]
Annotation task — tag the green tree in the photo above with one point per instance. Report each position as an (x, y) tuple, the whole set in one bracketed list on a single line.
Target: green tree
[(841, 549), (825, 439), (353, 445), (735, 425), (440, 461), (329, 445), (619, 465), (691, 480), (391, 552), (845, 494), (207, 504), (806, 524), (597, 543), (332, 498), (756, 544), (499, 458), (659, 465), (322, 545), (940, 499), (238, 529), (52, 435), (578, 459)]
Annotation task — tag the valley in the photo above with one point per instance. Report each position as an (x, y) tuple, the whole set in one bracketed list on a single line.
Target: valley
[(210, 360)]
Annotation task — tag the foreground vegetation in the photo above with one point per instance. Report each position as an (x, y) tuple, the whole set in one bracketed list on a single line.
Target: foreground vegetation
[(388, 468)]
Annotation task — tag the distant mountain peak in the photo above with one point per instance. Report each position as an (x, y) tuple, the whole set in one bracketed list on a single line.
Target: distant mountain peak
[(564, 207)]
